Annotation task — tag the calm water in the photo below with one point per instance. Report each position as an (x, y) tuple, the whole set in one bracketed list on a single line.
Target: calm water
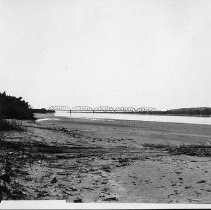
[(158, 118)]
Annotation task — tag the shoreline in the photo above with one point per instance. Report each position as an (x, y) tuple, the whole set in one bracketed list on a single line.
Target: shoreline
[(39, 116), (82, 160)]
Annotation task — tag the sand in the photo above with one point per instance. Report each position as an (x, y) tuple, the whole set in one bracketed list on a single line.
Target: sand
[(82, 160)]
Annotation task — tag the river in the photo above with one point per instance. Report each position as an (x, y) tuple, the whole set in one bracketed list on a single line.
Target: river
[(158, 118)]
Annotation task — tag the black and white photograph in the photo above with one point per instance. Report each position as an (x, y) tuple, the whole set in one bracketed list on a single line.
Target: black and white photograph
[(105, 102)]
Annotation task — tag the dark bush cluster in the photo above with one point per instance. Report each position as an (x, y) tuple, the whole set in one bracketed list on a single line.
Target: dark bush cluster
[(43, 111), (12, 107)]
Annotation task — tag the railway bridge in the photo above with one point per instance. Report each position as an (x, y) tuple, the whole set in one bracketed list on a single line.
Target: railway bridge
[(102, 109)]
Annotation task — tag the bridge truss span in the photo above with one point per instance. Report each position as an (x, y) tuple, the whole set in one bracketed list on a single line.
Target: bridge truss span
[(81, 109), (59, 108), (125, 109), (108, 109), (146, 109)]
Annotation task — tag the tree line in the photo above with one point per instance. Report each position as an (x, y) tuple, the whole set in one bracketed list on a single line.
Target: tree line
[(12, 107), (198, 111)]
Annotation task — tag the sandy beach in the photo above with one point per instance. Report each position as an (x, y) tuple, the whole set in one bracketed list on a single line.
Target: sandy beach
[(82, 160)]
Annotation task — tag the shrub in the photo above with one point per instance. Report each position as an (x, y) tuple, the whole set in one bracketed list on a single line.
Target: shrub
[(6, 125)]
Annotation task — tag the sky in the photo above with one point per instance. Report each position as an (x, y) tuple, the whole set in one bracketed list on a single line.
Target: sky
[(136, 53)]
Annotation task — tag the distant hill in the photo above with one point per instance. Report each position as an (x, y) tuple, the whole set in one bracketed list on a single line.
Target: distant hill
[(196, 111)]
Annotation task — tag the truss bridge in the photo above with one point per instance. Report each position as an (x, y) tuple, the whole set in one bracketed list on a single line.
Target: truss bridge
[(102, 109)]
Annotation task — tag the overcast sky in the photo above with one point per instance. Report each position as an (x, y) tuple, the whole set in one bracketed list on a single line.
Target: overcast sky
[(107, 52)]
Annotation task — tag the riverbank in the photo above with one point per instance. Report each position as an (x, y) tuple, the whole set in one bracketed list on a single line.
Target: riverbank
[(82, 160)]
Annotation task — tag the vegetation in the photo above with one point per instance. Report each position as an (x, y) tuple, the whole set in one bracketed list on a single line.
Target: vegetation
[(14, 108), (198, 111), (6, 125), (42, 111), (11, 109)]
